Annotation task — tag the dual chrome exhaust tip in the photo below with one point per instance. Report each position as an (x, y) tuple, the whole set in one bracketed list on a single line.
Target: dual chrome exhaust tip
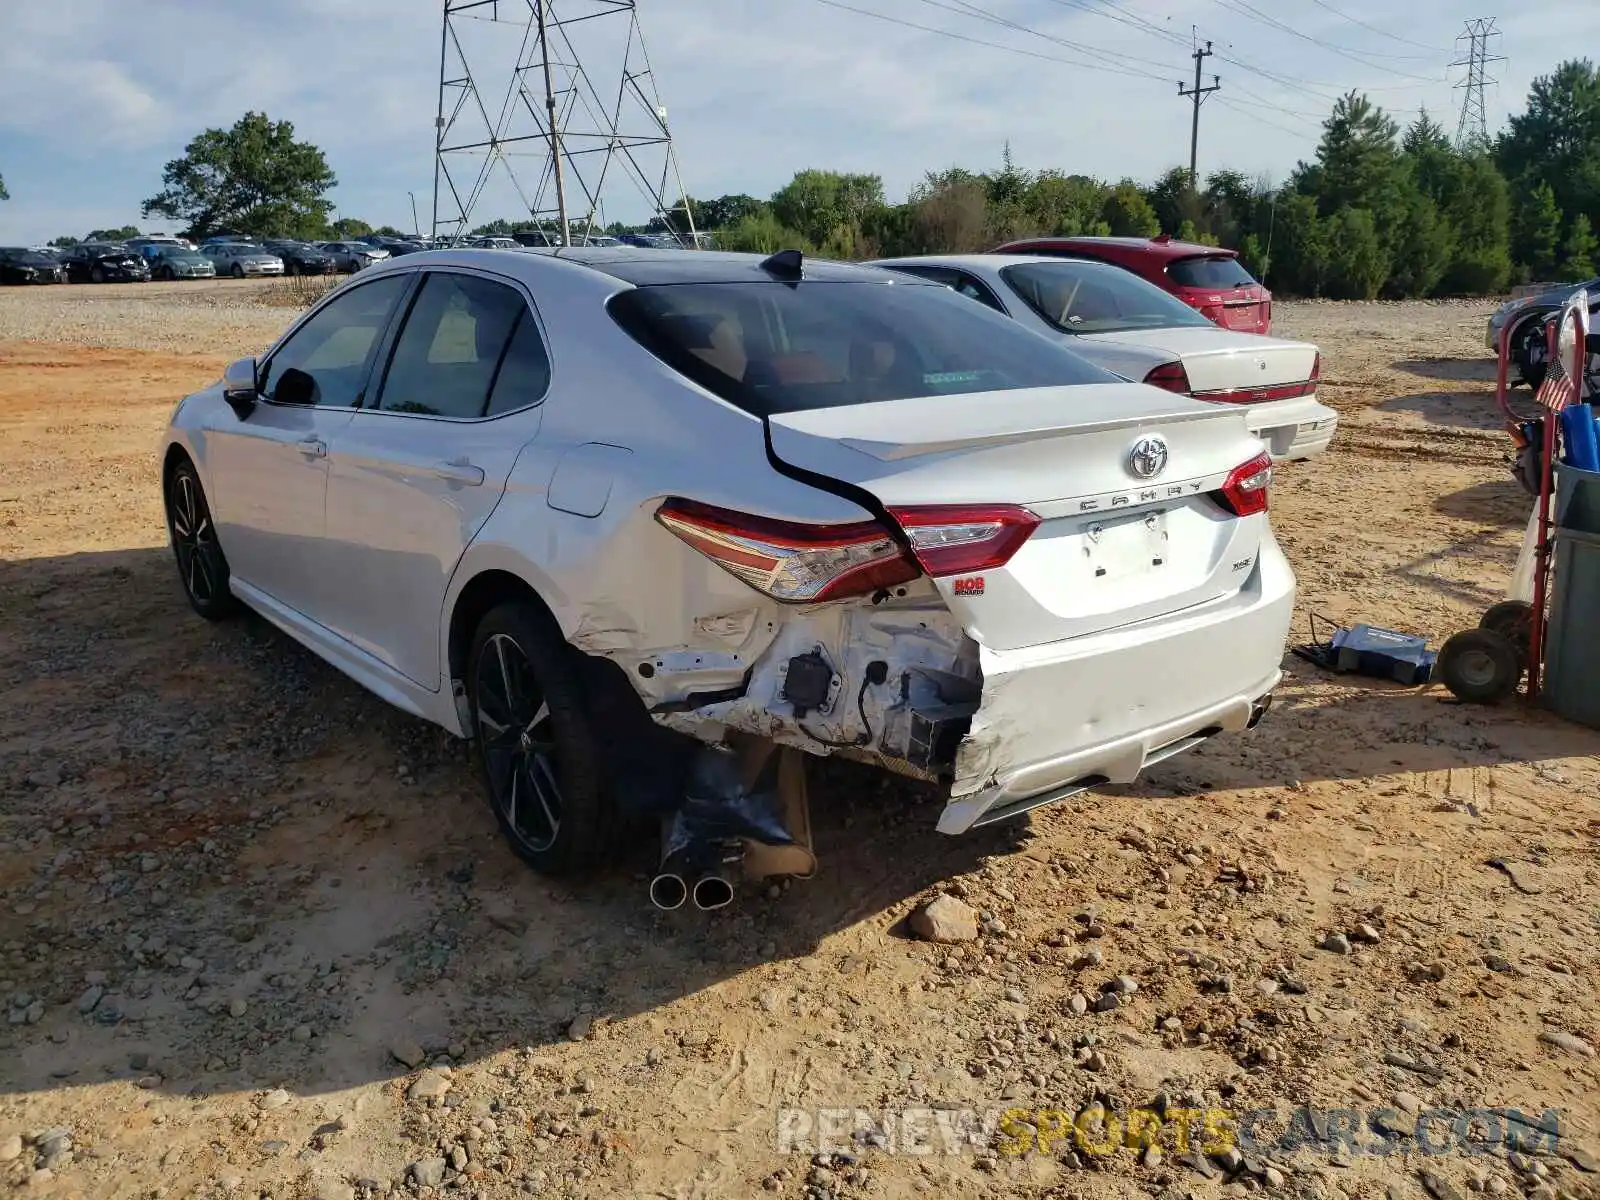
[(709, 890)]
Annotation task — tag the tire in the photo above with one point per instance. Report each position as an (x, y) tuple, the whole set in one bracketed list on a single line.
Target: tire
[(168, 275), (1512, 620), (1529, 352), (289, 268), (237, 272), (533, 732), (202, 567), (96, 275), (1480, 666)]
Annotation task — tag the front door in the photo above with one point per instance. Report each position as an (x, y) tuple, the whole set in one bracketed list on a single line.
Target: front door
[(419, 469), (270, 470)]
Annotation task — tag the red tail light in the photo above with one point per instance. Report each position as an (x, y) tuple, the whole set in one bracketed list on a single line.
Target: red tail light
[(1169, 376), (1316, 370), (1245, 491), (790, 561), (958, 539), (1212, 312)]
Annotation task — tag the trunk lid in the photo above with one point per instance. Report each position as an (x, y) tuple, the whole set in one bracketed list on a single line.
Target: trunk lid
[(1220, 360), (1113, 547)]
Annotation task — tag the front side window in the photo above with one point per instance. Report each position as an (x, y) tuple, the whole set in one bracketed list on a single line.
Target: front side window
[(324, 362), (452, 347), (776, 347), (1086, 297)]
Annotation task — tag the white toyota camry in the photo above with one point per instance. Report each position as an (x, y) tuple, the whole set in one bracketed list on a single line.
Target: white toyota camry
[(1131, 327), (555, 502)]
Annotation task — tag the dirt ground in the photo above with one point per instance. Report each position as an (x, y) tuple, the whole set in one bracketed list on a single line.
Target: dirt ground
[(236, 891)]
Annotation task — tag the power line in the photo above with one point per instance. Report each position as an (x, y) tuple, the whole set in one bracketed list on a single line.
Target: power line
[(967, 9), (961, 37), (1244, 9), (1373, 28)]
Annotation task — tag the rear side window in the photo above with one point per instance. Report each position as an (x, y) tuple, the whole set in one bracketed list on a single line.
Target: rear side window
[(776, 347), (1089, 297), (455, 337), (1215, 271)]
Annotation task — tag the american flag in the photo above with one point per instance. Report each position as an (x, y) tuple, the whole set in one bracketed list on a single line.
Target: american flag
[(1558, 389)]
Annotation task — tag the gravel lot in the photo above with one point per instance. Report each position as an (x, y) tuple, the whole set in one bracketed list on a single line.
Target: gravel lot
[(258, 936)]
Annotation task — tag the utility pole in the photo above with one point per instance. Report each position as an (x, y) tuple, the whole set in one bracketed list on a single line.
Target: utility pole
[(1198, 95)]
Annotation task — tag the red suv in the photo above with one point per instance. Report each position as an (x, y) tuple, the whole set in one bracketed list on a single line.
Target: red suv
[(1207, 278)]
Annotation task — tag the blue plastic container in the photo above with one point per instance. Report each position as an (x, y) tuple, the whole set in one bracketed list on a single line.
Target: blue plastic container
[(1583, 441)]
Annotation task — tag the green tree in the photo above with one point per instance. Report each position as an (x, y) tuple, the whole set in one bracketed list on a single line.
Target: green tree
[(64, 241), (1299, 246), (1229, 204), (120, 234), (1423, 248), (1066, 205), (1578, 250), (1357, 164), (389, 231), (346, 228), (1128, 213), (761, 233), (254, 178), (1175, 201), (1536, 232), (1477, 207), (1358, 265), (816, 202), (1556, 139), (952, 215), (725, 210), (4, 195)]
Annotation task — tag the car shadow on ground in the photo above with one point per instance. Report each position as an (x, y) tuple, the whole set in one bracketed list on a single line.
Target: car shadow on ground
[(224, 867), (1498, 503), (1479, 370), (1455, 410)]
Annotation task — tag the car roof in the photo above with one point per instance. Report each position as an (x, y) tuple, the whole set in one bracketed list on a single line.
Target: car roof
[(1155, 248), (643, 266), (993, 261)]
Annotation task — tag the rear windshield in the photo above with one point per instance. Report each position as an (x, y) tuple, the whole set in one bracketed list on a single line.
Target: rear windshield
[(776, 348), (1215, 271), (1089, 297)]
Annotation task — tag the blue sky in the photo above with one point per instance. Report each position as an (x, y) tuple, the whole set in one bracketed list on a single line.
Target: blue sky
[(96, 95)]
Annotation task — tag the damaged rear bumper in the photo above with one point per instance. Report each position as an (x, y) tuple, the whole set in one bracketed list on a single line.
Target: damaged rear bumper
[(1057, 719)]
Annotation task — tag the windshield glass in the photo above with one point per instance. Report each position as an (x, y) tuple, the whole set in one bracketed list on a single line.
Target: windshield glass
[(1086, 297), (775, 347), (1217, 271)]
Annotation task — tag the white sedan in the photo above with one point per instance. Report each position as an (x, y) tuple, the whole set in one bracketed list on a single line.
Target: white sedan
[(555, 503), (1131, 327)]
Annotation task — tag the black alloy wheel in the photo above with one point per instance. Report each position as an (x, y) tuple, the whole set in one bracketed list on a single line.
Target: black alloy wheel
[(202, 567), (537, 751)]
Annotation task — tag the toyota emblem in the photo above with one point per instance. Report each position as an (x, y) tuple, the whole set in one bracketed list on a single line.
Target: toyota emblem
[(1148, 457)]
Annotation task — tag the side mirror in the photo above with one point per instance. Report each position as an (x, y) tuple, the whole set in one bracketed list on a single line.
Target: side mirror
[(239, 387)]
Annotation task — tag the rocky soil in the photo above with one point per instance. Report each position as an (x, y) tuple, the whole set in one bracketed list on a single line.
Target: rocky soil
[(259, 938)]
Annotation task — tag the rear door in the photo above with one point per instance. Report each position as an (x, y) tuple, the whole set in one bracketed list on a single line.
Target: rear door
[(418, 470)]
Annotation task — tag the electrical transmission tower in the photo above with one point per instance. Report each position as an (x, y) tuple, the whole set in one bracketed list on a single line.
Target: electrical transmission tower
[(1198, 94), (1473, 128), (567, 123)]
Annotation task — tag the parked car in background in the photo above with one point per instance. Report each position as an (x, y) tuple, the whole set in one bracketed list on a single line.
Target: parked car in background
[(1116, 319), (1527, 317), (19, 264), (300, 258), (353, 256), (497, 243), (812, 502), (105, 262), (178, 262), (401, 246), (241, 260), (1209, 279), (157, 239)]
